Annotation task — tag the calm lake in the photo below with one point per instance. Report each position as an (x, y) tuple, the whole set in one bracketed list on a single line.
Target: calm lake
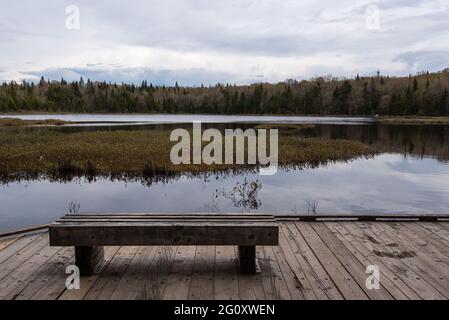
[(410, 175)]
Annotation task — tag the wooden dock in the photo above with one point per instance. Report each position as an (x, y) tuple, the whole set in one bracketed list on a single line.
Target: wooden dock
[(315, 260)]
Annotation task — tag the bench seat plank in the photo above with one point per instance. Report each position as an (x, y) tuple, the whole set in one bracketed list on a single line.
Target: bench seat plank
[(156, 221), (162, 234), (241, 215), (164, 229)]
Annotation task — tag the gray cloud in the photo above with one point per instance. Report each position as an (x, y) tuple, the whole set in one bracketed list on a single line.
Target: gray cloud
[(424, 60), (229, 41)]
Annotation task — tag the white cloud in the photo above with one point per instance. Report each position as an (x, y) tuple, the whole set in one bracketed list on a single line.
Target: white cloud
[(235, 41)]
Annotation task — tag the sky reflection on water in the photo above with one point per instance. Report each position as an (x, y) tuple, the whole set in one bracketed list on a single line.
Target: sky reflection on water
[(388, 183)]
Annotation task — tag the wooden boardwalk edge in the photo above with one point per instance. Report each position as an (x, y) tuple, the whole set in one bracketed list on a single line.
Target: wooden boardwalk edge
[(281, 217)]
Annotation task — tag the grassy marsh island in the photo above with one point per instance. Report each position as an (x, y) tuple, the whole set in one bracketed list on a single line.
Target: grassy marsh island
[(137, 153), (15, 122)]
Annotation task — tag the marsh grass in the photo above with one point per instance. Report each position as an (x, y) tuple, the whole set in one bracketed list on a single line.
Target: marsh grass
[(124, 154), (14, 122)]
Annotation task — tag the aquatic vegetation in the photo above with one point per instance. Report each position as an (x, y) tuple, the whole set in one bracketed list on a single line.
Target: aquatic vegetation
[(125, 154), (243, 195), (14, 122)]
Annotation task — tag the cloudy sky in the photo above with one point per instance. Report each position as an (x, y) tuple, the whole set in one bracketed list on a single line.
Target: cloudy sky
[(208, 41)]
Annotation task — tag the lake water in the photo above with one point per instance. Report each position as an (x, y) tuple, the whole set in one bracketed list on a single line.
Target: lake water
[(138, 119), (410, 175)]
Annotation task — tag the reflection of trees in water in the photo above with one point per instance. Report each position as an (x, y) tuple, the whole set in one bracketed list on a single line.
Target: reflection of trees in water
[(243, 195), (148, 178), (416, 140), (311, 207)]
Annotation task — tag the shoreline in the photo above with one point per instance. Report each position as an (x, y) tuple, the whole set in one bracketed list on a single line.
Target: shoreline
[(418, 120)]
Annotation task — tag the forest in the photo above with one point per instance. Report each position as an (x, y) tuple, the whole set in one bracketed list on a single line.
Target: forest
[(421, 94)]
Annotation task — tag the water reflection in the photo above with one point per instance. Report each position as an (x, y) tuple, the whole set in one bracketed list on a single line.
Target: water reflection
[(138, 119), (411, 175), (149, 175), (415, 140), (388, 183), (243, 195)]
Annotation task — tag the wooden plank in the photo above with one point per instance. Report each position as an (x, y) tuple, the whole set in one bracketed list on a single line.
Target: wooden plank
[(132, 281), (273, 283), (438, 229), (418, 260), (352, 265), (226, 274), (243, 215), (317, 276), (178, 280), (168, 218), (342, 279), (368, 238), (110, 276), (22, 255), (55, 288), (30, 273), (51, 281), (167, 223), (436, 235), (432, 240), (17, 245), (428, 259), (156, 234), (268, 277), (156, 278), (295, 279), (431, 243), (5, 243), (445, 224), (395, 286), (187, 221), (364, 217), (24, 231), (202, 282), (87, 282)]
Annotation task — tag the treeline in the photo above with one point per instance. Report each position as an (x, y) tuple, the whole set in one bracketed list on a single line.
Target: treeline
[(421, 94)]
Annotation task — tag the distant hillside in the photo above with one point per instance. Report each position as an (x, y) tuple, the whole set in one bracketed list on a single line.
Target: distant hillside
[(422, 94)]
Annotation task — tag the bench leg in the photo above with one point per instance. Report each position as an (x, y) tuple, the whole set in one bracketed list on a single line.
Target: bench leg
[(89, 259), (247, 259)]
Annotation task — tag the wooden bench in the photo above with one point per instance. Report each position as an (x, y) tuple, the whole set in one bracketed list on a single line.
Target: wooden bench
[(88, 233)]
